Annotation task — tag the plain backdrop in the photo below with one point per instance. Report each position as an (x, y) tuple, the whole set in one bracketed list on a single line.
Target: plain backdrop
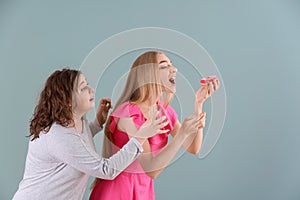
[(255, 45)]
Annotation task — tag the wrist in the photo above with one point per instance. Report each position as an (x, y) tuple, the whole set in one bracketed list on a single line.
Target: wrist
[(100, 122), (200, 104), (140, 140), (198, 107), (182, 135)]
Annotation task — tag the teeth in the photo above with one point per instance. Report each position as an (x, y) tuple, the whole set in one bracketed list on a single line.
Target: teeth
[(172, 80)]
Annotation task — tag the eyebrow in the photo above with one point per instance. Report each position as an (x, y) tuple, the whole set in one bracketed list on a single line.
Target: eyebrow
[(162, 61), (81, 83)]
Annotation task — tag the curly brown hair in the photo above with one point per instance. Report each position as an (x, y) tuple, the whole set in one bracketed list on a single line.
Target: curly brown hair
[(55, 102)]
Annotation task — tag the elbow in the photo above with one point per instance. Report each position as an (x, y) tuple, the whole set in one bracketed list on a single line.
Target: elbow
[(152, 175), (110, 175), (109, 172), (194, 151)]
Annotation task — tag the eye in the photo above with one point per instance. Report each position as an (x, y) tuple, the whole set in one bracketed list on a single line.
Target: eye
[(163, 67), (84, 88)]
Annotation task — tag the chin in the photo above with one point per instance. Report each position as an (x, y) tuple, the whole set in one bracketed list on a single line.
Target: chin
[(172, 90), (91, 106), (169, 89)]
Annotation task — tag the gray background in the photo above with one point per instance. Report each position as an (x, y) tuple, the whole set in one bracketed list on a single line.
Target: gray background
[(255, 45)]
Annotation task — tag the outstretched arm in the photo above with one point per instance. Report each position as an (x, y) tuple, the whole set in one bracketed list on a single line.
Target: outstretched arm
[(71, 149), (152, 164)]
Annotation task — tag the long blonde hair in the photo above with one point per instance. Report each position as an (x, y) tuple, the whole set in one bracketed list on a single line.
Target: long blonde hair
[(143, 83)]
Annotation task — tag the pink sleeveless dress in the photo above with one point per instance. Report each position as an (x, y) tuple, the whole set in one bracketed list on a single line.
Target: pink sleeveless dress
[(132, 183)]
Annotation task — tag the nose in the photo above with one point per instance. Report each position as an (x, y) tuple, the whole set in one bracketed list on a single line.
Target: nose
[(91, 89), (173, 69)]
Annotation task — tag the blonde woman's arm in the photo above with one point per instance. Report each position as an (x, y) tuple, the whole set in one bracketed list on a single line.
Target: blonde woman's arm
[(153, 165)]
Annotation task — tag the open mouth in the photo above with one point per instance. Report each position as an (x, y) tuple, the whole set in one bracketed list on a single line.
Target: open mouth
[(172, 80), (92, 99)]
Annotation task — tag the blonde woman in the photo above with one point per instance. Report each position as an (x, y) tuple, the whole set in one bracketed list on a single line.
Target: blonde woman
[(151, 75)]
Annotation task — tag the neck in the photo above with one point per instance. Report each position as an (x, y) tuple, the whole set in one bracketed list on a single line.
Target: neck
[(77, 117), (146, 104), (77, 121)]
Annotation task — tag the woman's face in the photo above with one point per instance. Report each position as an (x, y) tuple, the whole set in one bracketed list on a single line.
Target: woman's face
[(83, 96), (167, 73)]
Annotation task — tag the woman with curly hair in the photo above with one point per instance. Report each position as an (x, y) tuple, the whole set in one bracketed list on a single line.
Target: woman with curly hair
[(61, 153)]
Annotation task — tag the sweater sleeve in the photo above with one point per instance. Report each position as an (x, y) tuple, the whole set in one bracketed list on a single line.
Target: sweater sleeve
[(70, 148), (95, 127)]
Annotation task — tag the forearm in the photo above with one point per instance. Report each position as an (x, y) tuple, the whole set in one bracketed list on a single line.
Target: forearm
[(154, 165), (198, 108), (95, 127), (71, 149), (122, 159), (193, 143)]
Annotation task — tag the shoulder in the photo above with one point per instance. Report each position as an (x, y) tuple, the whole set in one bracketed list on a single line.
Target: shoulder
[(126, 110), (57, 128), (58, 131), (126, 116)]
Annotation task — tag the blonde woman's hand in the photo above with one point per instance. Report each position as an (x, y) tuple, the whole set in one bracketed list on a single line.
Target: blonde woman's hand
[(206, 90), (204, 93), (103, 108)]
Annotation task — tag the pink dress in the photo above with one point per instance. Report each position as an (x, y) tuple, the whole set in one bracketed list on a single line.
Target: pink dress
[(132, 183)]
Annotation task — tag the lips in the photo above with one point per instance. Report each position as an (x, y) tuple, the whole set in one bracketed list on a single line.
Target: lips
[(92, 99), (172, 80)]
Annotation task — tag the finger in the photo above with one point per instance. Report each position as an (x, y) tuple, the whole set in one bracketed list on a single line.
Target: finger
[(189, 118), (201, 125), (214, 86), (163, 131), (161, 110), (204, 90), (108, 105), (194, 124), (202, 115), (162, 124), (218, 83), (208, 89), (105, 103), (159, 120), (155, 115), (195, 121), (105, 100)]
